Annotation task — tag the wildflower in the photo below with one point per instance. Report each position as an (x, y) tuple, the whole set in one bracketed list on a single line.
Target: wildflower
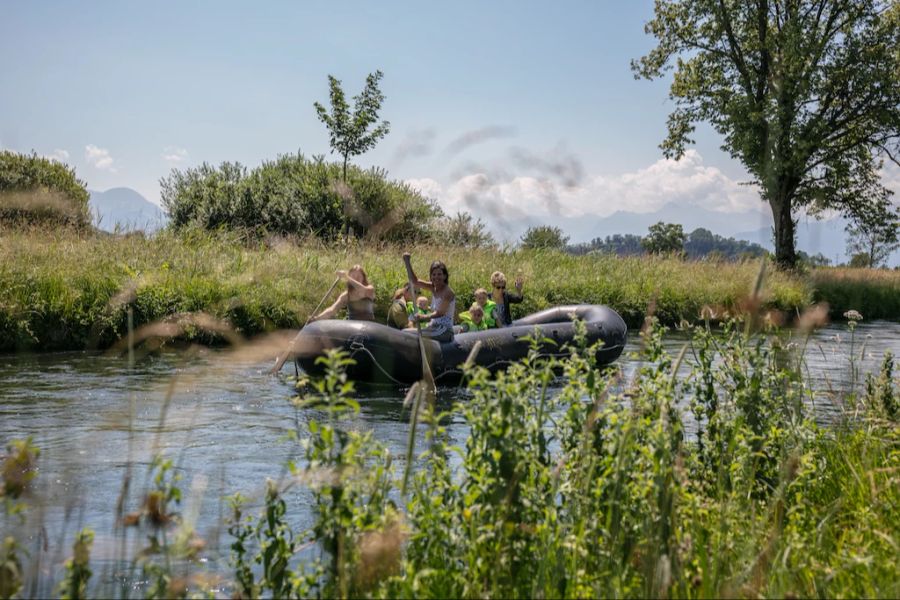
[(853, 315)]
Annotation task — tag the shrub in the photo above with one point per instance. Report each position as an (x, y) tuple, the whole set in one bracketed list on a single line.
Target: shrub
[(295, 195), (37, 190)]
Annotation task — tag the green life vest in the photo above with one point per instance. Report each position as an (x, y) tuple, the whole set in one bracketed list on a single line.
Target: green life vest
[(489, 320), (465, 319)]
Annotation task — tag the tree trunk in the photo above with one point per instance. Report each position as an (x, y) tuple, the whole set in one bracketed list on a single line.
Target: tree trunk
[(345, 168), (785, 255)]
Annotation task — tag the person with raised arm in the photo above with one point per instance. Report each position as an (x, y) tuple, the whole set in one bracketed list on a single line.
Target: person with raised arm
[(443, 302), (503, 299)]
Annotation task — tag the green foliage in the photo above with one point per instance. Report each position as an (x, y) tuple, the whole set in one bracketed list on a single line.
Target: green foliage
[(38, 191), (350, 477), (664, 238), (349, 133), (78, 570), (11, 575), (806, 96), (296, 196), (544, 237), (463, 231), (19, 467)]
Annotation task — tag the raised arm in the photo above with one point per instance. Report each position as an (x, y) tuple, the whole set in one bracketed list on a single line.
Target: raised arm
[(332, 310), (517, 296), (368, 291), (418, 283)]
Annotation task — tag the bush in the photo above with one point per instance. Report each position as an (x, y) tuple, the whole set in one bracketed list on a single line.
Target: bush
[(462, 230), (544, 237), (37, 190), (295, 195)]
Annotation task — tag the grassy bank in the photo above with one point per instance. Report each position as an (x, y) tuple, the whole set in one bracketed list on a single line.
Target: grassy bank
[(65, 291)]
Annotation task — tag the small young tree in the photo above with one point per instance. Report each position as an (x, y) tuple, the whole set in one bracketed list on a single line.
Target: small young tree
[(349, 134), (664, 238), (544, 237), (872, 239)]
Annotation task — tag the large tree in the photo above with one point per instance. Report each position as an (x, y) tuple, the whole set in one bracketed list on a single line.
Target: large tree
[(806, 94), (349, 133)]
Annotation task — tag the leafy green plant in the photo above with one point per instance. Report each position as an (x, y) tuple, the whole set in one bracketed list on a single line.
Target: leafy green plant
[(78, 570)]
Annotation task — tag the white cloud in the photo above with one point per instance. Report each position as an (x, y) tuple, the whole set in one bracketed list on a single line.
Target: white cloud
[(174, 155), (59, 155), (99, 158), (687, 182)]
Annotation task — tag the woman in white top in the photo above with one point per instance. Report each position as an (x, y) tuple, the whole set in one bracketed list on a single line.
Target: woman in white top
[(443, 303)]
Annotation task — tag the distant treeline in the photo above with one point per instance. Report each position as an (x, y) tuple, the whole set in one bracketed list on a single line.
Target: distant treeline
[(699, 243)]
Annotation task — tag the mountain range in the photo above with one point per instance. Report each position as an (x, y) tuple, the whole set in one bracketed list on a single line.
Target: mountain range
[(125, 209)]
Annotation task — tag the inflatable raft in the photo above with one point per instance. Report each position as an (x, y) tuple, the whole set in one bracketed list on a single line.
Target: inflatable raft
[(387, 355)]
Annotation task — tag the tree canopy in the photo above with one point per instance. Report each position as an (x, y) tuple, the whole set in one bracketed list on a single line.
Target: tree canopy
[(806, 94)]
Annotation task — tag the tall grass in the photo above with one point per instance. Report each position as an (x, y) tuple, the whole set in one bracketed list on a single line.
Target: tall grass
[(873, 292), (67, 291)]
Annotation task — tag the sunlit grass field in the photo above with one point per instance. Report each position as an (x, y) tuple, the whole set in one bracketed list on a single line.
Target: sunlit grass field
[(61, 290)]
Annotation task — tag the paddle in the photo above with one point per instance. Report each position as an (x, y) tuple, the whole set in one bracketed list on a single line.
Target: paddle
[(427, 375), (284, 355)]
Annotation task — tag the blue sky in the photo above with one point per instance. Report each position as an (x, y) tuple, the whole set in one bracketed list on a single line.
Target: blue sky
[(519, 108)]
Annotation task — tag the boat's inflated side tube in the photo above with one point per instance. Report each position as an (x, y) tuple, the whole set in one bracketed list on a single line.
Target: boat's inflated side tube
[(384, 354)]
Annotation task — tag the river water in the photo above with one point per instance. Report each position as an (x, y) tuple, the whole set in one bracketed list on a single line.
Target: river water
[(95, 420)]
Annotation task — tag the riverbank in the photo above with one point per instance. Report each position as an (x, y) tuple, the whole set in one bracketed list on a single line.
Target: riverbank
[(65, 291)]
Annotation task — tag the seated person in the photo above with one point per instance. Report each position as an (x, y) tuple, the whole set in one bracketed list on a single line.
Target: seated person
[(443, 302), (503, 298), (487, 305), (401, 309), (422, 304), (358, 298), (472, 319)]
